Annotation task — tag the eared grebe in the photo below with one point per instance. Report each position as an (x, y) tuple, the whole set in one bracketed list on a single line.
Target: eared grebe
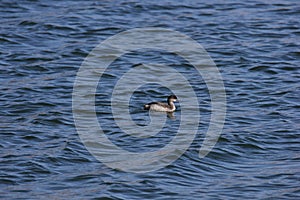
[(162, 107)]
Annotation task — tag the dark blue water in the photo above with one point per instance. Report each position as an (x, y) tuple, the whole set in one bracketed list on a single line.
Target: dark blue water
[(255, 45)]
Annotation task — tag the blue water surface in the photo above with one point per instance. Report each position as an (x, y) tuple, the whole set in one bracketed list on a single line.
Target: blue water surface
[(255, 45)]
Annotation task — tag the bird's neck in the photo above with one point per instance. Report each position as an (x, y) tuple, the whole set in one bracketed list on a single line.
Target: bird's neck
[(172, 105)]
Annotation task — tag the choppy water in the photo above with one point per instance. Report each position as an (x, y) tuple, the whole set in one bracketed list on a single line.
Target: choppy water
[(255, 44)]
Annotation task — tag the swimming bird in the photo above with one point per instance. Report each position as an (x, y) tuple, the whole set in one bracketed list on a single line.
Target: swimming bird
[(162, 107)]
